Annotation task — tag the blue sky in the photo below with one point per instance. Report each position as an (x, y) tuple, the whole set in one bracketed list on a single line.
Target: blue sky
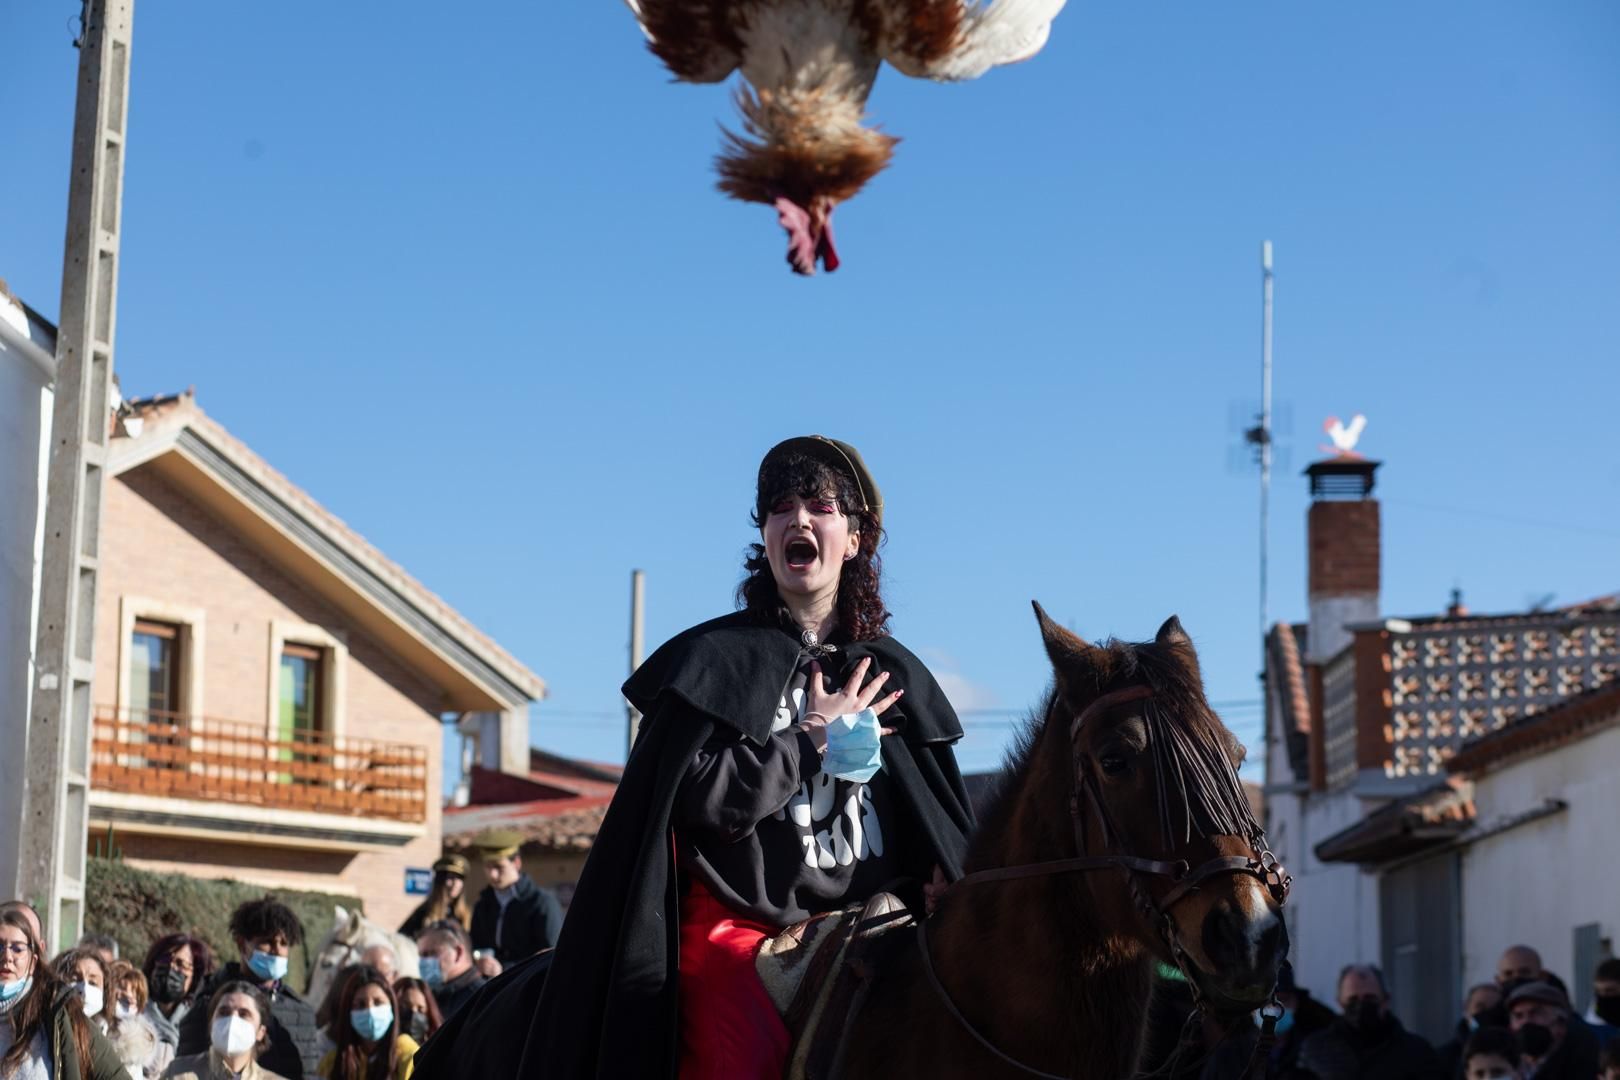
[(462, 274)]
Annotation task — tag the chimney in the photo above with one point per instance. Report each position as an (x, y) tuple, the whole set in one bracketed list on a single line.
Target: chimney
[(1342, 533)]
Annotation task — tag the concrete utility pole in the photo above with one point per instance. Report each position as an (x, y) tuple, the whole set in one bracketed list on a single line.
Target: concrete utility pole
[(54, 823), (638, 599)]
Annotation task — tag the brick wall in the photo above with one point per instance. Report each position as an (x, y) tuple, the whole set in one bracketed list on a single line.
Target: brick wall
[(1344, 547), (159, 544)]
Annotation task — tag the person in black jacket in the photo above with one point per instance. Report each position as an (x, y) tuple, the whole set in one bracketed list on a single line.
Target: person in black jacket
[(793, 758), (514, 918), (264, 931), (1367, 1041), (1557, 1044)]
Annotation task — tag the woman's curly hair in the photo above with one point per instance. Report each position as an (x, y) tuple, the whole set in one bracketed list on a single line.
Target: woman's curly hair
[(861, 614)]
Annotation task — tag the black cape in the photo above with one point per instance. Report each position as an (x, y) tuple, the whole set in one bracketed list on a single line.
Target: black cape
[(603, 1003)]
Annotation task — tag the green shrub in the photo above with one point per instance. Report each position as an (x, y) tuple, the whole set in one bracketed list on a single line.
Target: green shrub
[(137, 907)]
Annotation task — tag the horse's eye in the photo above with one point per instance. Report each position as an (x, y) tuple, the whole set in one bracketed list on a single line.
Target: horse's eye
[(1112, 764)]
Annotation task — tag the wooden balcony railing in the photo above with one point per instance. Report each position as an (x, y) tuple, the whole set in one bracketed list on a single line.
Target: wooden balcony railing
[(197, 757)]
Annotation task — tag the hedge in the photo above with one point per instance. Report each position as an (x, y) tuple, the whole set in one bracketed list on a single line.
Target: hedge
[(137, 907)]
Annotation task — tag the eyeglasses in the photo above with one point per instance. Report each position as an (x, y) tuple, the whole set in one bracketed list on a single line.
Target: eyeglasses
[(17, 948)]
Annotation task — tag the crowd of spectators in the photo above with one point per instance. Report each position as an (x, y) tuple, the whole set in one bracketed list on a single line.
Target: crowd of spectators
[(1521, 1026), (87, 1014)]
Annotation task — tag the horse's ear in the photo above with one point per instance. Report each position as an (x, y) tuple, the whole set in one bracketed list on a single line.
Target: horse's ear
[(1069, 652), (340, 916), (1172, 634)]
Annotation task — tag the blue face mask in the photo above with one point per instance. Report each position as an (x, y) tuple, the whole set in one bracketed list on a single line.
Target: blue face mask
[(267, 966), (12, 991), (432, 973), (1285, 1021), (853, 747), (373, 1023)]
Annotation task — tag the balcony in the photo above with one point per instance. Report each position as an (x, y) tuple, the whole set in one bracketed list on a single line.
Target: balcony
[(197, 775)]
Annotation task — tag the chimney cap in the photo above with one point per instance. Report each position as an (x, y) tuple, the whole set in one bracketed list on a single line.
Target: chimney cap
[(1342, 477)]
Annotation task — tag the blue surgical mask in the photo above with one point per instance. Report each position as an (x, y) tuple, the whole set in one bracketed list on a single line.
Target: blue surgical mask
[(1284, 1022), (12, 992), (373, 1023), (854, 747), (267, 966), (432, 973)]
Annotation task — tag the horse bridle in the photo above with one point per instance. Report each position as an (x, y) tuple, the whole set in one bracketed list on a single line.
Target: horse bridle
[(1185, 880)]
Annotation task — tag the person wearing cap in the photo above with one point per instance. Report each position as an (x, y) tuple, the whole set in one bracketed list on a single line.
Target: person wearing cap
[(793, 758), (513, 917), (446, 900), (1555, 1043)]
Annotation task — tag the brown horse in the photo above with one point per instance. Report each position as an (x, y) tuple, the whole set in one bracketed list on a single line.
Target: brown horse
[(1121, 838)]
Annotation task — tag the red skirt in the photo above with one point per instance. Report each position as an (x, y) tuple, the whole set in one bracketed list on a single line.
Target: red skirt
[(729, 1028)]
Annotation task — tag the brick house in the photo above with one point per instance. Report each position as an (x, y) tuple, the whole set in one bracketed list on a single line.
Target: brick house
[(272, 690), (557, 805), (1368, 718)]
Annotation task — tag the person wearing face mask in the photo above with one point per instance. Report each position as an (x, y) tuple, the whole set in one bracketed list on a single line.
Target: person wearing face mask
[(1555, 1043), (1481, 1008), (419, 1014), (793, 758), (1303, 1016), (447, 966), (239, 1015), (1367, 1041), (370, 1044), (264, 932), (176, 967), (1491, 1053), (131, 1033), (44, 1034), (1604, 1015), (85, 972)]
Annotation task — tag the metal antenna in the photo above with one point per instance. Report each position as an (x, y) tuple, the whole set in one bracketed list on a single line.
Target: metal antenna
[(1260, 437), (1265, 435)]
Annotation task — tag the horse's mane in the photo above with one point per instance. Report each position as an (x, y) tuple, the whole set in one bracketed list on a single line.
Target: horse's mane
[(1195, 756)]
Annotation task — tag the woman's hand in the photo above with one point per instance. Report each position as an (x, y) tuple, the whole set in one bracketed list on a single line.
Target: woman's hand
[(857, 694)]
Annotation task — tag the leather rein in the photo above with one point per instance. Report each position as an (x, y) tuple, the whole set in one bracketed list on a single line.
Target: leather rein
[(1184, 878)]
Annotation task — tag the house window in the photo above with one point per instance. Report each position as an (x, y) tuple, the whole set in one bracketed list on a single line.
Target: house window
[(303, 678), (154, 674)]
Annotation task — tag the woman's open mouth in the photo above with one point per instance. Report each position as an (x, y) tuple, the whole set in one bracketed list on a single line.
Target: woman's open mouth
[(800, 554)]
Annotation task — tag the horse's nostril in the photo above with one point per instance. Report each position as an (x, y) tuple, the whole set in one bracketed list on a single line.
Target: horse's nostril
[(1238, 942)]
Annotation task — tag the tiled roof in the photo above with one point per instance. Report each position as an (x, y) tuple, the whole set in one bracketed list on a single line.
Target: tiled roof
[(1574, 719), (556, 825), (1405, 826), (1283, 656)]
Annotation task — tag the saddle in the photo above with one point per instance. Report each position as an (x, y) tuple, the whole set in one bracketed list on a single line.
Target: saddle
[(818, 973)]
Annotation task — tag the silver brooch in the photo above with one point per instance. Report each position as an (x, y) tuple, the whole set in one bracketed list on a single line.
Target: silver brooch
[(813, 645)]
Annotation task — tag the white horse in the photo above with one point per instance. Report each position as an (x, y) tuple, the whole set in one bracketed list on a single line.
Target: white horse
[(351, 935)]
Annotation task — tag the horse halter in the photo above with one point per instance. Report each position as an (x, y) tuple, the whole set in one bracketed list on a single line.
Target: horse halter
[(1184, 880)]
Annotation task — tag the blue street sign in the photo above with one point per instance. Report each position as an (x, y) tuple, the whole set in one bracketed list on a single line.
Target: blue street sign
[(418, 882)]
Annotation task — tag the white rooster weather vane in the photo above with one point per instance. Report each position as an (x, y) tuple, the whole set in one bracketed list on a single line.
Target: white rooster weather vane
[(1344, 436)]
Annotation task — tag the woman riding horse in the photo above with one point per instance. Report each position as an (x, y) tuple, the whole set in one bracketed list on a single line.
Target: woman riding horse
[(793, 759)]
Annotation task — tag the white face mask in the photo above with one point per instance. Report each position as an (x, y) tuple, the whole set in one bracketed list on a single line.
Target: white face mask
[(92, 995), (233, 1035)]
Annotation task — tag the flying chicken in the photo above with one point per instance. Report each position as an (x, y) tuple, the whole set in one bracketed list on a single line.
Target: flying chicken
[(808, 68)]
